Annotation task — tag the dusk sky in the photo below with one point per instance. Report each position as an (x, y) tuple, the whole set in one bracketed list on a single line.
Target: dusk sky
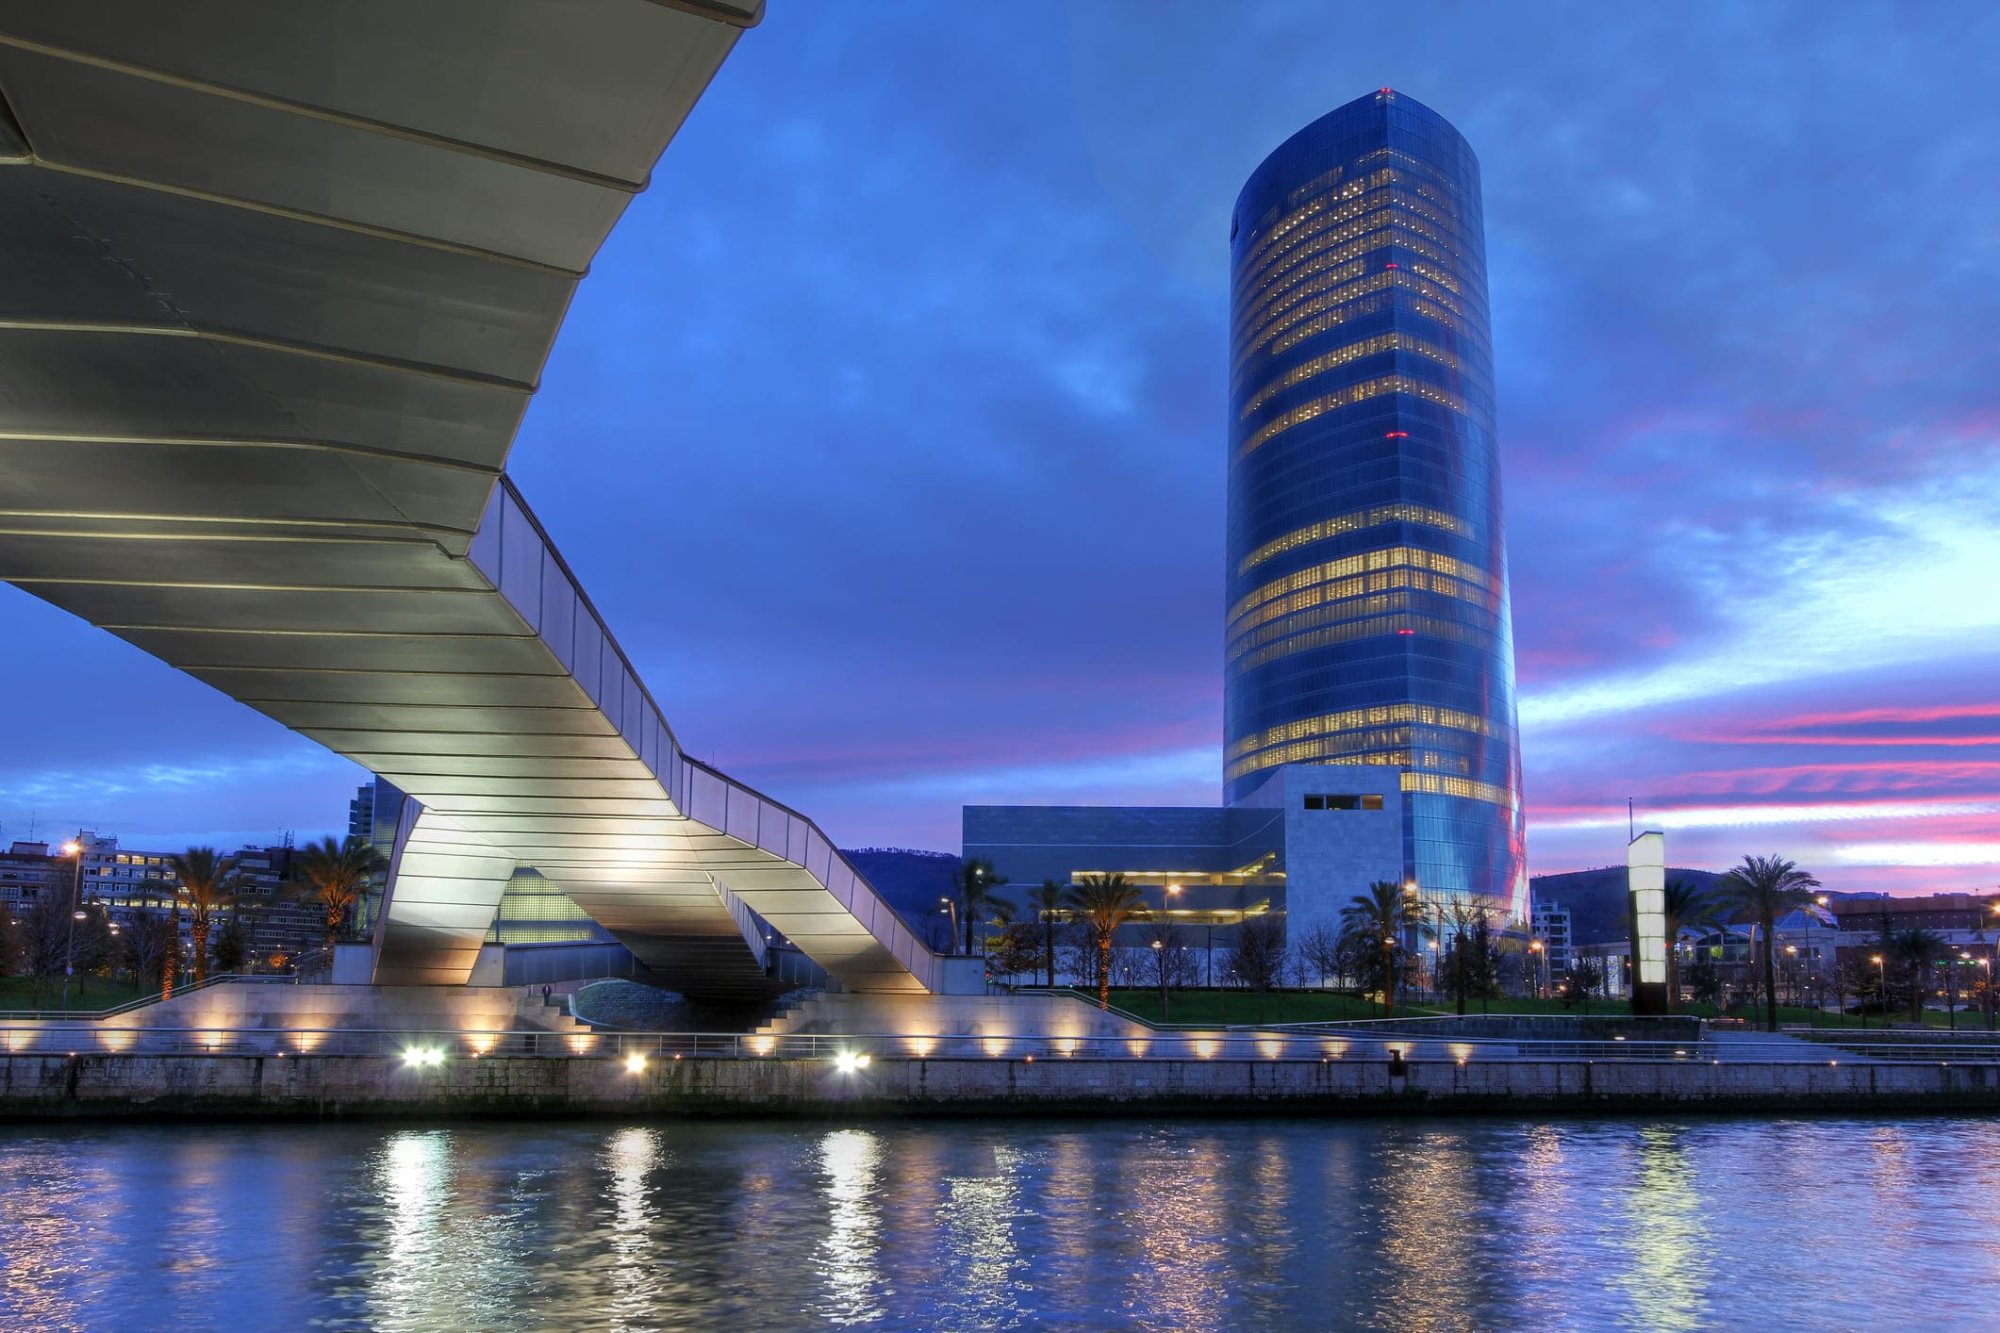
[(888, 431)]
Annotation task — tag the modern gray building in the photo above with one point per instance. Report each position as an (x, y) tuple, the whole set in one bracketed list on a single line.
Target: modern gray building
[(1369, 668)]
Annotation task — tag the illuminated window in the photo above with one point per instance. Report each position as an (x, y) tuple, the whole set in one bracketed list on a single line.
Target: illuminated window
[(1375, 388), (1354, 521), (1340, 356), (1389, 557)]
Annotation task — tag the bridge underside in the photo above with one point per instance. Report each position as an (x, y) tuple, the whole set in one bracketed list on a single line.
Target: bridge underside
[(276, 285)]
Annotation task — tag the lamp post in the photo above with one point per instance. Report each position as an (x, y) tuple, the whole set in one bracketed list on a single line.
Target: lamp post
[(1415, 931), (1813, 960), (1881, 988), (1541, 958), (1160, 966), (74, 850)]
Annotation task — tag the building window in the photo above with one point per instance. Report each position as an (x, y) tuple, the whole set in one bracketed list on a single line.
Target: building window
[(1343, 802)]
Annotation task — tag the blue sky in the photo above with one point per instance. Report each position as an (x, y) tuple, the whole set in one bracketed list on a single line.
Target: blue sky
[(888, 430)]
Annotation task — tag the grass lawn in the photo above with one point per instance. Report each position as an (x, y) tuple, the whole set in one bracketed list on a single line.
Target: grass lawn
[(86, 993), (1238, 1006)]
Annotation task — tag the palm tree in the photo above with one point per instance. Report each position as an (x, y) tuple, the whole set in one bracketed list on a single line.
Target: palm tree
[(1766, 887), (1104, 903), (210, 883), (1374, 919), (337, 873), (972, 883), (1047, 901), (1916, 948), (1688, 904)]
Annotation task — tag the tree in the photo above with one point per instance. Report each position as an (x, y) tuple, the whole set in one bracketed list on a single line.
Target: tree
[(1470, 963), (1372, 921), (232, 945), (1321, 951), (336, 874), (1167, 961), (1766, 888), (1688, 906), (1704, 979), (149, 946), (1016, 949), (1915, 949), (1104, 903), (209, 883), (1582, 982), (1259, 956), (1047, 904), (972, 883)]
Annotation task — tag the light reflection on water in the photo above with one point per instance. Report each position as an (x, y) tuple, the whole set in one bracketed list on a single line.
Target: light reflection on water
[(988, 1224)]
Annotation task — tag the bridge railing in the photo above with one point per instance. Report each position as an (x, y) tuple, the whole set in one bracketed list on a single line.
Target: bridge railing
[(433, 1047)]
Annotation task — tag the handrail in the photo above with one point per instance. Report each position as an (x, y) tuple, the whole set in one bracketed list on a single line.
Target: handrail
[(432, 1046)]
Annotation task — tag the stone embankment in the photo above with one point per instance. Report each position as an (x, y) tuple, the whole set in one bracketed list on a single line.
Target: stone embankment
[(137, 1085)]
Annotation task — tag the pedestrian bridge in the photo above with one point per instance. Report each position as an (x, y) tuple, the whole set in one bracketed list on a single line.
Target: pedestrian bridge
[(276, 285)]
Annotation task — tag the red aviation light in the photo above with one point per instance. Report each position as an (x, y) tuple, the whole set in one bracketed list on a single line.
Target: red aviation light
[(1396, 435), (1386, 92), (1406, 631), (1390, 264)]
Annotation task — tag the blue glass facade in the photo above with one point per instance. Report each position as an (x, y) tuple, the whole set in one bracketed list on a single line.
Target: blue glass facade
[(1368, 619)]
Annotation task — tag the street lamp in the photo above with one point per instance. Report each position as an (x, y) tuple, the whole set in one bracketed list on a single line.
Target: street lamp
[(1414, 930), (1541, 961), (952, 908), (1160, 966), (1881, 989), (74, 850)]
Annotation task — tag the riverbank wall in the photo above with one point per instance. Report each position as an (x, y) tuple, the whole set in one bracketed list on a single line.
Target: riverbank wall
[(328, 1087)]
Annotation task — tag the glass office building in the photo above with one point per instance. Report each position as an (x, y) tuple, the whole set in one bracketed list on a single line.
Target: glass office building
[(1367, 618)]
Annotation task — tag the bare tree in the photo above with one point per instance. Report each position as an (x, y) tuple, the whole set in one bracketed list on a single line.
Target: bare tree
[(148, 944), (1321, 951), (1259, 956)]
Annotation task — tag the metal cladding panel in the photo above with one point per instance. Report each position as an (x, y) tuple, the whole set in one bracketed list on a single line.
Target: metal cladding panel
[(774, 825), (840, 883), (742, 818), (266, 276), (612, 79), (390, 687), (520, 563), (433, 748), (484, 552), (708, 802), (110, 122)]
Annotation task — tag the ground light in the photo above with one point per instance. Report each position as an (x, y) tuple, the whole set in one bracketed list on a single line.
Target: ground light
[(849, 1061), (423, 1057), (635, 1063)]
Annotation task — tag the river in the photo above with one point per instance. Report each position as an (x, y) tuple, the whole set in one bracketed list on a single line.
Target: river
[(1267, 1224)]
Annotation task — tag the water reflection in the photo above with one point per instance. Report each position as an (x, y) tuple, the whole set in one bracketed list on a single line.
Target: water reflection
[(978, 1221), (631, 1157), (1292, 1224), (411, 1173), (1667, 1279), (848, 1162)]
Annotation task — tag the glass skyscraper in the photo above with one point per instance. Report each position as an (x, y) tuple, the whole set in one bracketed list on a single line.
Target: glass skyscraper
[(1367, 618)]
